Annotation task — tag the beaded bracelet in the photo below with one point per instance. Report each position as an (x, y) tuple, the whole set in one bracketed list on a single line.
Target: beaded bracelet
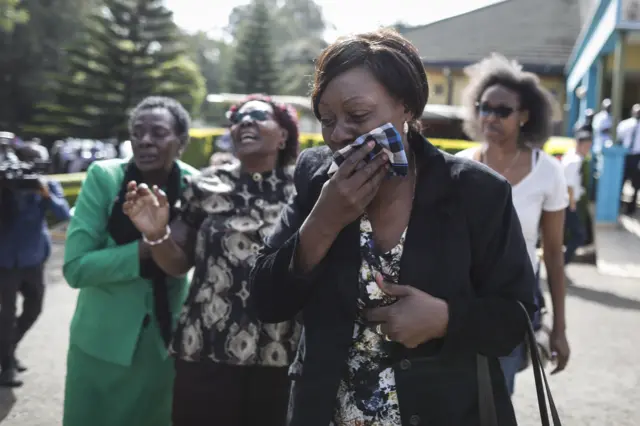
[(161, 240)]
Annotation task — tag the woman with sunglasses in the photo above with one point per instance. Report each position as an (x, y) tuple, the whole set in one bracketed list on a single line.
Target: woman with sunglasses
[(511, 113), (230, 368)]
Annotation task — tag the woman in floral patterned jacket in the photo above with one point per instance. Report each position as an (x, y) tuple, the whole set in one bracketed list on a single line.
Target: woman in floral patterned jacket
[(230, 367)]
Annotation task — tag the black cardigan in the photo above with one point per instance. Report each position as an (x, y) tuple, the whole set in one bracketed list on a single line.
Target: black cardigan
[(464, 244)]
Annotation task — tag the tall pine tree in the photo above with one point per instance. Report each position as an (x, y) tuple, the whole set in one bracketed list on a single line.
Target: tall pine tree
[(130, 50), (253, 68)]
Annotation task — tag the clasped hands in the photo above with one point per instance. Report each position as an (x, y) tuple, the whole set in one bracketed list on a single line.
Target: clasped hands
[(415, 318)]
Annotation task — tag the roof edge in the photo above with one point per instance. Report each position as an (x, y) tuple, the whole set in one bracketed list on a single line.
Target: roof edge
[(540, 69), (448, 18)]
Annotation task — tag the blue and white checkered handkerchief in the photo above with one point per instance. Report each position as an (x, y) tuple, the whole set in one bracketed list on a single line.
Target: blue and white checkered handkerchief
[(387, 138)]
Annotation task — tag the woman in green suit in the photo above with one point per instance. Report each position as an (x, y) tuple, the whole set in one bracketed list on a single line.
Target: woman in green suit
[(118, 370)]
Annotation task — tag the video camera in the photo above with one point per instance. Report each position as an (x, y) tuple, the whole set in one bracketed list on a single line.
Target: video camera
[(21, 167)]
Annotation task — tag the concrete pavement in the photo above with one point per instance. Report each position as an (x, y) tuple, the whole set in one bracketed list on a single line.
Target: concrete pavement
[(600, 387), (618, 247), (39, 401)]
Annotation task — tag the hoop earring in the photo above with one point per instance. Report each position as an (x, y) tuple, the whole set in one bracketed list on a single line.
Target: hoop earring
[(282, 145)]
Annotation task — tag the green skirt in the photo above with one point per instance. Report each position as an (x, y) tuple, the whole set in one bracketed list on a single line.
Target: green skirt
[(100, 393)]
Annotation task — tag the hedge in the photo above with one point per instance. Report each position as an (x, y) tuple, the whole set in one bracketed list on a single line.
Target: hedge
[(202, 147)]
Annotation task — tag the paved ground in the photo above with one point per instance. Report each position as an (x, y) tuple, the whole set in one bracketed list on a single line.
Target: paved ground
[(601, 386), (618, 247)]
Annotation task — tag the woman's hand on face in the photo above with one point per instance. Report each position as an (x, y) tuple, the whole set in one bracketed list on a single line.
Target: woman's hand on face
[(345, 196), (415, 318), (148, 209)]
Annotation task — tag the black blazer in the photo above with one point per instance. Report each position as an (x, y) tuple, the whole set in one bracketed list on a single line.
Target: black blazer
[(464, 244)]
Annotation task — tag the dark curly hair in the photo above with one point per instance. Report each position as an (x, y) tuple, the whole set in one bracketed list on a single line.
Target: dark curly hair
[(287, 117), (391, 58), (535, 98), (180, 115)]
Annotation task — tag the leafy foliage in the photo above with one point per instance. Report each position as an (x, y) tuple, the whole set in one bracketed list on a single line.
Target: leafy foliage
[(213, 57), (297, 37), (252, 68), (75, 67), (11, 14), (130, 49), (31, 51)]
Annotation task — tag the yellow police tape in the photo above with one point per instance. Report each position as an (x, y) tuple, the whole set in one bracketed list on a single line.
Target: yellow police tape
[(556, 145)]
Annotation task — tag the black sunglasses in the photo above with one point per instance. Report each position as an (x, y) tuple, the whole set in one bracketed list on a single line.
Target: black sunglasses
[(500, 111), (255, 115)]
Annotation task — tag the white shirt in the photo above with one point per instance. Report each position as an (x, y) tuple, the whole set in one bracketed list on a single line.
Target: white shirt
[(625, 133), (543, 189), (42, 151), (126, 151), (601, 122), (572, 163)]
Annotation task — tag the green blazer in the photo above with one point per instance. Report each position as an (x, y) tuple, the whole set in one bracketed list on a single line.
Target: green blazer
[(113, 299)]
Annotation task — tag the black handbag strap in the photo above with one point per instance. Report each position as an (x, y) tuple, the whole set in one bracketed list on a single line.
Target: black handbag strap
[(540, 376), (487, 408)]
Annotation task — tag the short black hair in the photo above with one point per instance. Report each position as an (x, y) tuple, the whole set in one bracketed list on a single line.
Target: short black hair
[(180, 115), (287, 117), (390, 57), (498, 70)]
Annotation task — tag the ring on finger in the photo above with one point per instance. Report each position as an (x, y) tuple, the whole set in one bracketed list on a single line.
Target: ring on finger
[(382, 333)]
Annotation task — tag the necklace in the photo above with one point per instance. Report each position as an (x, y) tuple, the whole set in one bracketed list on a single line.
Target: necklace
[(483, 159)]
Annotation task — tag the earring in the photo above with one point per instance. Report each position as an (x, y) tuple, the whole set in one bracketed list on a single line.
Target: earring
[(282, 145), (406, 128)]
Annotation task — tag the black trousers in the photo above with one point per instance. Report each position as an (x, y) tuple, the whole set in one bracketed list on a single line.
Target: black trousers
[(576, 235), (212, 394), (632, 173), (30, 283)]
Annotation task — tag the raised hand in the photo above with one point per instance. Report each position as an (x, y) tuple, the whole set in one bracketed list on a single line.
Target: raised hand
[(148, 209), (350, 190)]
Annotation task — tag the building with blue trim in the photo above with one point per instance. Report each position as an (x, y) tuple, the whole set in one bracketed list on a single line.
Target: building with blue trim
[(605, 62)]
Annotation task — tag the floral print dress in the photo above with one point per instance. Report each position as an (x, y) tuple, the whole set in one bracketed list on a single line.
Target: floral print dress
[(367, 394), (234, 212)]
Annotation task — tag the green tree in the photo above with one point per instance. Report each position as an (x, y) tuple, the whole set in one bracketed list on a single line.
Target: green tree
[(297, 36), (253, 66), (31, 51), (181, 79), (297, 65), (301, 41), (213, 58), (209, 55), (129, 50), (11, 14)]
